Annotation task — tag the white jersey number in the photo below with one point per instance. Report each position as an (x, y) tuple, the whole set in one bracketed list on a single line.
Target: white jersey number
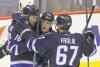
[(61, 58)]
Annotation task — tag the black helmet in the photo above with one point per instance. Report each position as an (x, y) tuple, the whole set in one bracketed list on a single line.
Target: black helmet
[(31, 10), (48, 16), (66, 21)]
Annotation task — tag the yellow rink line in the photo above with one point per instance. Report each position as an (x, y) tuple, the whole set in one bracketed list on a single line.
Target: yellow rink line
[(91, 63)]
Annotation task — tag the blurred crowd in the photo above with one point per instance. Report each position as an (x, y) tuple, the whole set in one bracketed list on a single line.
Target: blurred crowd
[(7, 7)]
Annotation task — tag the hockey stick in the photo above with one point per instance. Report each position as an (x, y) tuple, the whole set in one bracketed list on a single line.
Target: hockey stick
[(37, 30), (89, 18), (87, 22), (38, 19)]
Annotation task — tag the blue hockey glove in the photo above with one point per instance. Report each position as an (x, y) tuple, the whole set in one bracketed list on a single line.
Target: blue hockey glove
[(19, 22)]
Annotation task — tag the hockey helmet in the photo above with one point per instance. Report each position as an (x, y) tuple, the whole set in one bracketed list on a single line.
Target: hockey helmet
[(31, 10), (65, 21), (48, 16)]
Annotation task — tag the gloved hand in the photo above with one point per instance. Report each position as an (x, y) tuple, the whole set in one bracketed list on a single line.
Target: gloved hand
[(3, 51), (89, 43), (89, 36), (19, 23)]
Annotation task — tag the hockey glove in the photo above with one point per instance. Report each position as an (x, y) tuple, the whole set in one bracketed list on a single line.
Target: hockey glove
[(3, 51), (19, 22), (89, 43), (89, 36)]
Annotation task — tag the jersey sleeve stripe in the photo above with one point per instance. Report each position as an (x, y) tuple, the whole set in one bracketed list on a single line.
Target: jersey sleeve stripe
[(25, 30), (33, 45)]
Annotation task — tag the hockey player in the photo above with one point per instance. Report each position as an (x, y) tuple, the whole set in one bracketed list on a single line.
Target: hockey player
[(28, 16), (47, 19), (62, 48), (46, 22)]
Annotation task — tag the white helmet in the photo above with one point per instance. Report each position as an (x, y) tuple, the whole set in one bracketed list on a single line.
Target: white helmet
[(24, 3)]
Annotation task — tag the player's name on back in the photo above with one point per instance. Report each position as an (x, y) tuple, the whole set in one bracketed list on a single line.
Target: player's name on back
[(68, 41)]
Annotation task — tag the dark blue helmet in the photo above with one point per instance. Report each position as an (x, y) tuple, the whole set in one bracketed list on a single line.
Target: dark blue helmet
[(48, 16), (31, 10), (66, 21)]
